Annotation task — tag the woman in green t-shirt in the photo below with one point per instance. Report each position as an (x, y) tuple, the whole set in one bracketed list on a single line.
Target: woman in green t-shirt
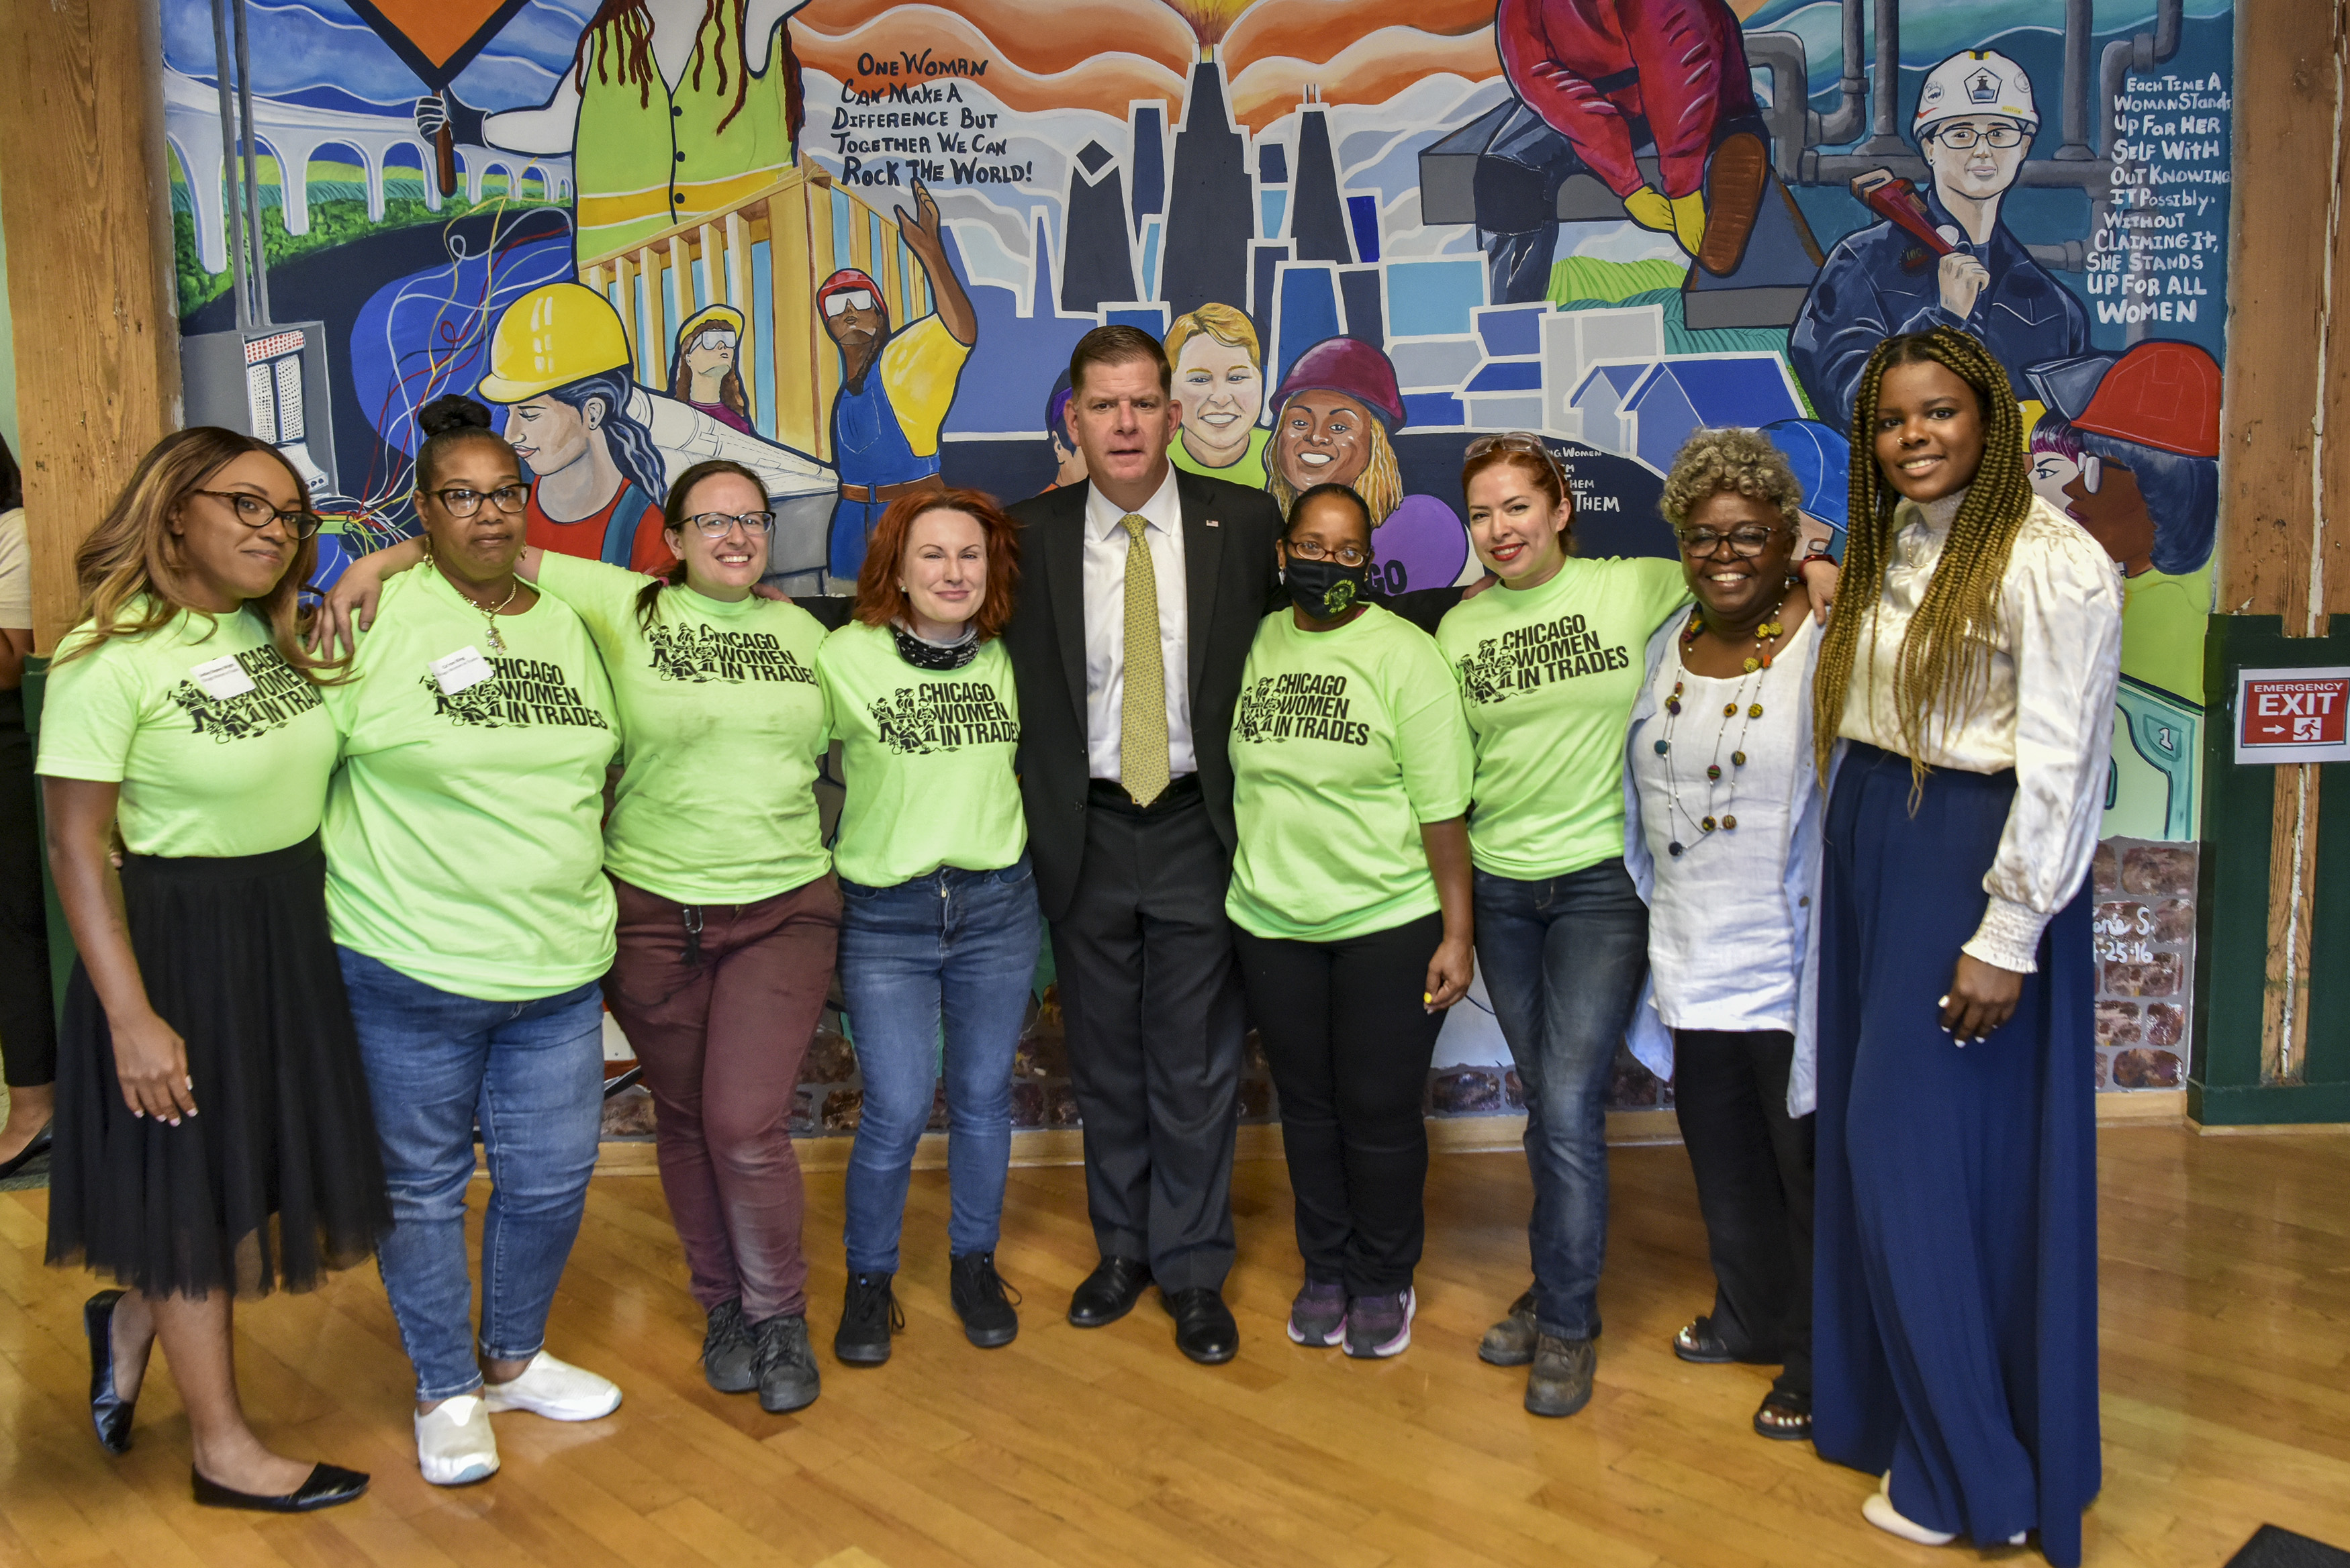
[(180, 712), (939, 921), (1549, 664), (1350, 897), (465, 882), (728, 910)]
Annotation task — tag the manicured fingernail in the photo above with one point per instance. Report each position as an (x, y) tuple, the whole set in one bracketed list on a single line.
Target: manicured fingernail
[(175, 1121), (1942, 1001)]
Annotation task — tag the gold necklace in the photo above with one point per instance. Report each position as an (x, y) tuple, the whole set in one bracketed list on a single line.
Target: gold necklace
[(489, 612)]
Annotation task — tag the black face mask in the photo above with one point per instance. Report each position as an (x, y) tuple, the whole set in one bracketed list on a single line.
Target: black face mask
[(1325, 590)]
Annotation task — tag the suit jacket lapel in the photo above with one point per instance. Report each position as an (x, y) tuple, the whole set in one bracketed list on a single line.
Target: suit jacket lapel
[(1202, 553), (1064, 586)]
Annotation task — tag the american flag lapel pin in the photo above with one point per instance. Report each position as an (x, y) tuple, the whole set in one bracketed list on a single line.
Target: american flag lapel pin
[(1214, 523)]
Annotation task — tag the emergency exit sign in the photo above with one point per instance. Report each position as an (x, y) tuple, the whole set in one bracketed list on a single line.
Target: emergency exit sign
[(2293, 715)]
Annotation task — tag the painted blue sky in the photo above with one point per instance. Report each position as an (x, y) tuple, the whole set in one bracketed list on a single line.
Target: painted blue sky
[(320, 53)]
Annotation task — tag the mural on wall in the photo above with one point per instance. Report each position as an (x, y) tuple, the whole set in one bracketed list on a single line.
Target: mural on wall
[(851, 243)]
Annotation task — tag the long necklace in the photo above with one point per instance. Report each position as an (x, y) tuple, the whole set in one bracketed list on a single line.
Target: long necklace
[(489, 612), (1726, 819)]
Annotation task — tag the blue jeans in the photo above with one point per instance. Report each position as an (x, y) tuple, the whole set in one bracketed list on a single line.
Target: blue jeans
[(957, 944), (1562, 960), (533, 1072)]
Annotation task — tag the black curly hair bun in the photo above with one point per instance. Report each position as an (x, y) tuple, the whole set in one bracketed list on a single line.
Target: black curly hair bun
[(452, 411)]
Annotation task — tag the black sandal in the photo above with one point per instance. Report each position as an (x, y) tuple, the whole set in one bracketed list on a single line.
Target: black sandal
[(1793, 1413), (1697, 1343)]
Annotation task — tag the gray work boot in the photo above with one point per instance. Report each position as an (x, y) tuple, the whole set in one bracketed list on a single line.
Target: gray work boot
[(1511, 1342), (786, 1366), (1560, 1382), (728, 1351)]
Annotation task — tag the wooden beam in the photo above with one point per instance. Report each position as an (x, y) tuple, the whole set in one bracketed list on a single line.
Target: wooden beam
[(90, 284)]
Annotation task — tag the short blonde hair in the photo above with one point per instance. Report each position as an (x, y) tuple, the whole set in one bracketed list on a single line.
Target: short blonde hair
[(1740, 461), (1221, 322)]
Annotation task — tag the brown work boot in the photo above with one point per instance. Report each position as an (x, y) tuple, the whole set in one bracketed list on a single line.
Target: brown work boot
[(1736, 177), (1511, 1342), (1560, 1382)]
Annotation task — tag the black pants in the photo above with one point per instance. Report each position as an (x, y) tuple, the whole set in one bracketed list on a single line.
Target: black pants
[(29, 1020), (1754, 1166), (1152, 1001), (1350, 1040)]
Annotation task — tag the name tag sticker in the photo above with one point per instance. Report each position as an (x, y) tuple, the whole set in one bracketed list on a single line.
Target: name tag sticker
[(453, 672), (221, 678)]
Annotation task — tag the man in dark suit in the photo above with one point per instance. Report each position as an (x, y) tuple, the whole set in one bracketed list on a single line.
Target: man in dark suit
[(1140, 591)]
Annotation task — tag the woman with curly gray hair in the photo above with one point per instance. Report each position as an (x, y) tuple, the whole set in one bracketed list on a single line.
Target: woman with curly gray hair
[(1723, 808)]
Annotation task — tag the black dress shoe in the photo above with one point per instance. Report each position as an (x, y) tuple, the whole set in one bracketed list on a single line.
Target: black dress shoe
[(1204, 1329), (1108, 1292), (109, 1411), (26, 1155), (326, 1486)]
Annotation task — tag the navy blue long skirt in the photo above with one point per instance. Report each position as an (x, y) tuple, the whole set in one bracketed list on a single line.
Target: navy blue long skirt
[(1956, 1277)]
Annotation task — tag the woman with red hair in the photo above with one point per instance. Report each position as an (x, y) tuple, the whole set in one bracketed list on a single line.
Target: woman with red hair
[(939, 920)]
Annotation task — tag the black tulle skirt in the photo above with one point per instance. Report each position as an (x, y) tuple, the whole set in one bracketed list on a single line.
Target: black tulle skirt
[(278, 1179)]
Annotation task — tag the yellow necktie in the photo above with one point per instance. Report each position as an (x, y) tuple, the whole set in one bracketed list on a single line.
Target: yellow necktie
[(1142, 724)]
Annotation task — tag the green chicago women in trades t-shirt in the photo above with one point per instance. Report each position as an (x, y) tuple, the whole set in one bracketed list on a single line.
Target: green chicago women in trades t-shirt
[(221, 748), (463, 846), (1548, 676), (723, 729), (1343, 742), (926, 755)]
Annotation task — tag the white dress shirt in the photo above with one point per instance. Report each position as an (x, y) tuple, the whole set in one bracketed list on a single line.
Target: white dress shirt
[(1105, 547), (2046, 710)]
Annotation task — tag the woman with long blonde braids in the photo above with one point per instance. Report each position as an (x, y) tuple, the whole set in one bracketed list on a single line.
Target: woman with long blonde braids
[(1966, 688)]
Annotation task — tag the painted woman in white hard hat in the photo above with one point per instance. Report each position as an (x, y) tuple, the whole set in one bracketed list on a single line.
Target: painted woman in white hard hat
[(1975, 122)]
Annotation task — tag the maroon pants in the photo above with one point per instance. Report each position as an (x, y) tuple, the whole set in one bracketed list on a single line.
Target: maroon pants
[(721, 1019)]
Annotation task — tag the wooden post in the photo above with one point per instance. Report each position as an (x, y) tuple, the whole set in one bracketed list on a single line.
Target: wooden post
[(2284, 546), (90, 286)]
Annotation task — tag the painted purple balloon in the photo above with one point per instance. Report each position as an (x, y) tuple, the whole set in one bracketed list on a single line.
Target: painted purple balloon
[(1420, 545)]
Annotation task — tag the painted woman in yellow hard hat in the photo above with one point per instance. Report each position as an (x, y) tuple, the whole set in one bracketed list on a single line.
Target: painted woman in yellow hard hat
[(671, 110), (559, 361), (702, 370)]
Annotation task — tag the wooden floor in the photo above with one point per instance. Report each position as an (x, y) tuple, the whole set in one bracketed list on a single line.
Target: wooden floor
[(2226, 1377)]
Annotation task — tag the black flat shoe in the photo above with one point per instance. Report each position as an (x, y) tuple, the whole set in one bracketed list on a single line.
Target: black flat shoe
[(1204, 1329), (326, 1486), (109, 1411), (1108, 1292), (29, 1153), (1701, 1344)]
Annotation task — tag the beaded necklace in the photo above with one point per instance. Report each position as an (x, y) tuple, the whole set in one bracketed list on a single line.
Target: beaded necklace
[(1756, 663)]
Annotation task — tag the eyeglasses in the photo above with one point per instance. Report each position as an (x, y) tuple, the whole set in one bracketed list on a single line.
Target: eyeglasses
[(848, 300), (1960, 138), (460, 502), (712, 338), (715, 525), (1312, 550), (254, 512), (1747, 543)]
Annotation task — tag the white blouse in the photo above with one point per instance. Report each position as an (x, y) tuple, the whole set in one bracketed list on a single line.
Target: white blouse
[(1724, 894), (2046, 710)]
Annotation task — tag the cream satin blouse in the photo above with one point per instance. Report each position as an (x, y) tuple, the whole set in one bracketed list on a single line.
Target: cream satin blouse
[(2047, 710)]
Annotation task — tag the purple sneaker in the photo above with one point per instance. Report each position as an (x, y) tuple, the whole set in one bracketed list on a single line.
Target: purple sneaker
[(1318, 1316), (1379, 1327)]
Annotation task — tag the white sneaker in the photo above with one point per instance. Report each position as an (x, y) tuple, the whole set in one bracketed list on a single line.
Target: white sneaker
[(454, 1445), (556, 1390)]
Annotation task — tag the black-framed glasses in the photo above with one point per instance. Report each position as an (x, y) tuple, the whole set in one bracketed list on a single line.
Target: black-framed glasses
[(1311, 550), (461, 501), (1962, 137), (715, 525), (1745, 542), (254, 512)]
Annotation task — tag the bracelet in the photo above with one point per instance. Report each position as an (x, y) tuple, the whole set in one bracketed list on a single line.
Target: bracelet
[(1819, 556)]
